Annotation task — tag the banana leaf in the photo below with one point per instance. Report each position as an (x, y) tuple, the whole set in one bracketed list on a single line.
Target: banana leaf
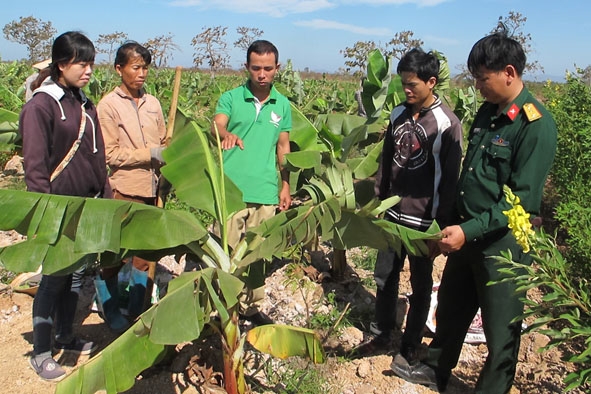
[(194, 171), (62, 230), (9, 135), (286, 341), (188, 303)]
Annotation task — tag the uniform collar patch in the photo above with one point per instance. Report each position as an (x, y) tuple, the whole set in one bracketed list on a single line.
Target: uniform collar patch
[(513, 111)]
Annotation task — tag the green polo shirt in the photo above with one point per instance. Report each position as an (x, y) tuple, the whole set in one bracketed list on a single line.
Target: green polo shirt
[(254, 169), (515, 148)]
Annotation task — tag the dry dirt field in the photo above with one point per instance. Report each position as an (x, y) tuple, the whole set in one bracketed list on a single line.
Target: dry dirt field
[(537, 373)]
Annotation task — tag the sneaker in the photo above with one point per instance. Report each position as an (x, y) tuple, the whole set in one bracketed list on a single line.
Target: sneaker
[(417, 374), (77, 346), (49, 369)]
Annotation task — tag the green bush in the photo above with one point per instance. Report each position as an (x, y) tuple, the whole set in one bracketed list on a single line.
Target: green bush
[(570, 104), (564, 312)]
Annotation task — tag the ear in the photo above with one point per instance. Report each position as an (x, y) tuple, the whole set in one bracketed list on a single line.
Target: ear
[(431, 82), (510, 73), (277, 66), (246, 65), (118, 69)]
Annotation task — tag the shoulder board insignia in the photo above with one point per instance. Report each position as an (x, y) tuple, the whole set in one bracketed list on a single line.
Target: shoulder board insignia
[(531, 112)]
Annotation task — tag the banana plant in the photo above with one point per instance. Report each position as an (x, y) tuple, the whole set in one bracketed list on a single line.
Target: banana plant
[(9, 135), (65, 232)]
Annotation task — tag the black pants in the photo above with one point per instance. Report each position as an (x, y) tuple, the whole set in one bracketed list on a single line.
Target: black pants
[(57, 297), (387, 277), (462, 291)]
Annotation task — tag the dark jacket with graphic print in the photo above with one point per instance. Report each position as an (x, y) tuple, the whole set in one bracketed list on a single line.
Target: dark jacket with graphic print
[(420, 163)]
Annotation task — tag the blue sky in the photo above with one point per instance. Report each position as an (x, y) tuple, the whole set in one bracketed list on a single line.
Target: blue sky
[(313, 32)]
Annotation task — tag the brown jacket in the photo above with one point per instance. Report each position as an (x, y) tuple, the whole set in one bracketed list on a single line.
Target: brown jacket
[(129, 132)]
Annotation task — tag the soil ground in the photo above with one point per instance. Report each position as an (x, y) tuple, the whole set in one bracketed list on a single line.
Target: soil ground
[(537, 372), (286, 304)]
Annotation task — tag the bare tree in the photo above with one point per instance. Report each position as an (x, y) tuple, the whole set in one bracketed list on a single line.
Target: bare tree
[(514, 23), (36, 34), (356, 56), (210, 46), (401, 43), (161, 48), (247, 36), (107, 43)]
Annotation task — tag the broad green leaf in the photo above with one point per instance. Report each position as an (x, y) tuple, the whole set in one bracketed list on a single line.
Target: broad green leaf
[(368, 165), (9, 135), (303, 133), (303, 159), (186, 306), (285, 341), (72, 227), (114, 369), (194, 171)]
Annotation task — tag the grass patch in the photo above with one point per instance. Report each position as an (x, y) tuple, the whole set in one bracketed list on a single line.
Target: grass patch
[(292, 376), (364, 258)]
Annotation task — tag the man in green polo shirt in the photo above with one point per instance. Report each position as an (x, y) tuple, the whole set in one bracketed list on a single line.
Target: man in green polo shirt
[(253, 122), (512, 142)]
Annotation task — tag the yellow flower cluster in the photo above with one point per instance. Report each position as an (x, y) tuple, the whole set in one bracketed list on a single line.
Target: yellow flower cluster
[(518, 220)]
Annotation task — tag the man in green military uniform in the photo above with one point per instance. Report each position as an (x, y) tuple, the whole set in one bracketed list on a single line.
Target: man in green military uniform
[(512, 142)]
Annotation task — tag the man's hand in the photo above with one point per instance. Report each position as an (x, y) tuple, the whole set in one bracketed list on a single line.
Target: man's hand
[(453, 239), (231, 140), (284, 198)]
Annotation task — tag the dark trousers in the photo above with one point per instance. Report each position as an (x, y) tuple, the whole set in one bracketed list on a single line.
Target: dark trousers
[(462, 291), (387, 277), (57, 297)]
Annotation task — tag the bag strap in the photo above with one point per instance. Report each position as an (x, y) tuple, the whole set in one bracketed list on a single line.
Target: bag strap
[(66, 160)]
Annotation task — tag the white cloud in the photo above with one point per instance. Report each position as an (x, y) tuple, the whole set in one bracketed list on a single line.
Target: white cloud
[(277, 8), (280, 8), (441, 40), (332, 25), (419, 3)]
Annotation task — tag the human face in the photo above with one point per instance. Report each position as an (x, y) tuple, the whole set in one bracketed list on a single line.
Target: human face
[(262, 70), (133, 74), (491, 84), (418, 93), (75, 75)]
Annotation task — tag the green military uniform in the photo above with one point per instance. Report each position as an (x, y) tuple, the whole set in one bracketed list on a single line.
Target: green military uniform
[(515, 148)]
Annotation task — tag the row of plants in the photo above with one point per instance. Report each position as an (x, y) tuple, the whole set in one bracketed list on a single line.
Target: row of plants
[(335, 154), (67, 231)]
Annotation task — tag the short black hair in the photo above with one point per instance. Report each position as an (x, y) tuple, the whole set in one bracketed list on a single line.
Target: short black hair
[(495, 52), (127, 51), (425, 65), (260, 47)]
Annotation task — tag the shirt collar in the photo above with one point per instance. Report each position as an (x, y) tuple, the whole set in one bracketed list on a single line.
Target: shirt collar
[(122, 93), (517, 104), (249, 96)]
